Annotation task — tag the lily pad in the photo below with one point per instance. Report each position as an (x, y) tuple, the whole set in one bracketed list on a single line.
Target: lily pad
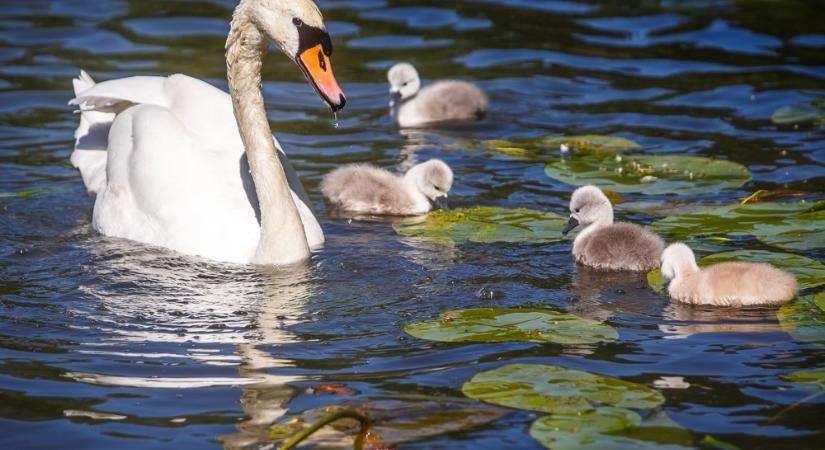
[(652, 175), (536, 147), (804, 318), (500, 325), (786, 225), (806, 112), (484, 224), (557, 390), (609, 427), (809, 273), (393, 421), (588, 430), (808, 376)]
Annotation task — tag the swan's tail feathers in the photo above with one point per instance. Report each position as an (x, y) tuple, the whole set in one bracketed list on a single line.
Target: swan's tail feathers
[(82, 82), (114, 96)]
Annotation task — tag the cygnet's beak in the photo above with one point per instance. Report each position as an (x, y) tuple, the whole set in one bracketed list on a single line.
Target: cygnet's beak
[(441, 202), (572, 223), (318, 69), (395, 96)]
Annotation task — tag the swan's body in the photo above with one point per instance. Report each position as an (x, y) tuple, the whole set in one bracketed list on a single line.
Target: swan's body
[(175, 162), (603, 244), (365, 189), (724, 284), (447, 100)]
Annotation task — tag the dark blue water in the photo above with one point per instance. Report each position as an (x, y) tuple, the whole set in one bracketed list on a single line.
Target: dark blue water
[(106, 343)]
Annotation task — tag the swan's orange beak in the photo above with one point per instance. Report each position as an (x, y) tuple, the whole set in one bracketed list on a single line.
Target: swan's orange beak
[(318, 69)]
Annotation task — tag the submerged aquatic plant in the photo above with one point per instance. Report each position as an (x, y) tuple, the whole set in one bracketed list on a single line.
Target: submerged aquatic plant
[(500, 325)]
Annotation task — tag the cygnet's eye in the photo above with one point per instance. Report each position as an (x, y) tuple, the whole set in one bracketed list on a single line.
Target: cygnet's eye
[(298, 22), (577, 210)]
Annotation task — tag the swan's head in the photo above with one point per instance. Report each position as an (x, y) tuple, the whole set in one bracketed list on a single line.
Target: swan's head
[(433, 179), (678, 259), (588, 205), (404, 81), (297, 28)]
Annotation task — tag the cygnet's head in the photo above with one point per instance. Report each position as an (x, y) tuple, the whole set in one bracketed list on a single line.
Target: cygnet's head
[(678, 259), (588, 205), (404, 81), (433, 179)]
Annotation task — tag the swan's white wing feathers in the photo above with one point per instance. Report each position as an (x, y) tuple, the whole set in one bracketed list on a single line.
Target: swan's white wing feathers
[(170, 166)]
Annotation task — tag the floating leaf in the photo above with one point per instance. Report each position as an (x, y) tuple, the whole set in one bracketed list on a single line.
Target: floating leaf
[(536, 147), (657, 174), (804, 318), (809, 273), (808, 376), (393, 421), (499, 325), (588, 430), (555, 389), (485, 225), (609, 427), (787, 225), (712, 442), (805, 112)]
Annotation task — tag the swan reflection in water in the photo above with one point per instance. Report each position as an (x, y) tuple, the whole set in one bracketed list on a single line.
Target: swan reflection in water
[(184, 312)]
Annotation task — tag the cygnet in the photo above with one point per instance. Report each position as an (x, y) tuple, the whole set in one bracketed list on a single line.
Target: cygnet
[(366, 189), (603, 244), (441, 101), (724, 284)]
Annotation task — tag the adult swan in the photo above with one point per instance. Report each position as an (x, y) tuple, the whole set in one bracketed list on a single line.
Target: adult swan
[(164, 157)]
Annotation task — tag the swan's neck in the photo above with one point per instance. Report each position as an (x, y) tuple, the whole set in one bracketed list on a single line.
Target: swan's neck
[(604, 220), (282, 239)]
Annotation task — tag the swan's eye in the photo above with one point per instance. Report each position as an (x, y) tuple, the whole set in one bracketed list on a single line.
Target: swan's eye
[(298, 22), (577, 210)]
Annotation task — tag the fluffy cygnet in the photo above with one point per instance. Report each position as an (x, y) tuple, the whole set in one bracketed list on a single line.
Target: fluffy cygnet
[(606, 245), (368, 189), (441, 101), (724, 284)]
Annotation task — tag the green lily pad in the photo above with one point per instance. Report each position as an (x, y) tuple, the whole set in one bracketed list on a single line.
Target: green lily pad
[(500, 325), (589, 143), (653, 175), (608, 428), (809, 273), (484, 224), (804, 318), (806, 112), (711, 442), (557, 390), (393, 421), (808, 376), (786, 225), (588, 430)]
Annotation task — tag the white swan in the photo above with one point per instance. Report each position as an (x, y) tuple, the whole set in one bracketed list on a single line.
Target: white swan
[(165, 158)]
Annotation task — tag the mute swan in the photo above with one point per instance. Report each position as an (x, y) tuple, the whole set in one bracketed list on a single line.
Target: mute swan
[(175, 162), (606, 245), (442, 101), (724, 284), (368, 189)]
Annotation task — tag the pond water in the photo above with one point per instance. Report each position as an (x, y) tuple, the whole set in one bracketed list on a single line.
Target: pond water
[(106, 343)]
